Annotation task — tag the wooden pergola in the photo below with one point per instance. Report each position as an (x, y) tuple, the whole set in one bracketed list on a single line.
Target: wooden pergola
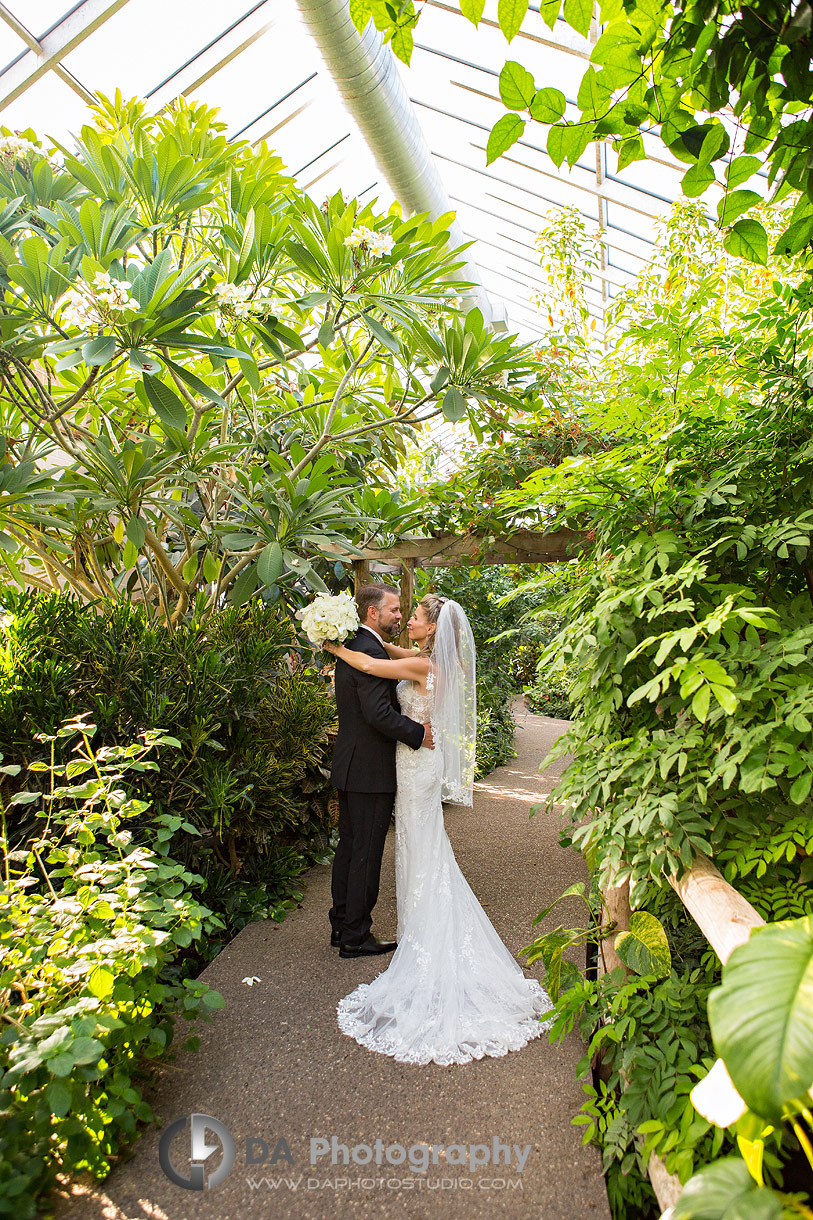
[(444, 550)]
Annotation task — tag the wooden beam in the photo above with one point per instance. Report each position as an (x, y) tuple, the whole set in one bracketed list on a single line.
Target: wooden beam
[(525, 546), (725, 918)]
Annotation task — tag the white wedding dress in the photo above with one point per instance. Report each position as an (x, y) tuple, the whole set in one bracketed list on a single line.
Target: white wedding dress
[(452, 992)]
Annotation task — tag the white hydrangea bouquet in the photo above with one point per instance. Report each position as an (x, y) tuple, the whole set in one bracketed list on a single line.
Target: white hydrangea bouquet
[(329, 617)]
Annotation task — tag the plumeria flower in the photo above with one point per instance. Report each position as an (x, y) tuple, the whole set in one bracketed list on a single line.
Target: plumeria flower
[(376, 244), (251, 979), (233, 301), (89, 305)]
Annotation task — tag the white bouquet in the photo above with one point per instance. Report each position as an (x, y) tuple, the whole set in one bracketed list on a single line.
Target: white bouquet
[(329, 617)]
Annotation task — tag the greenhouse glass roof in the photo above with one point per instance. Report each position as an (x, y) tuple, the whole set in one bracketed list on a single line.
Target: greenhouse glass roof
[(263, 68)]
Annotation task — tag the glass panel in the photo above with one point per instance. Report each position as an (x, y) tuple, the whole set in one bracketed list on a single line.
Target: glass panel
[(49, 106)]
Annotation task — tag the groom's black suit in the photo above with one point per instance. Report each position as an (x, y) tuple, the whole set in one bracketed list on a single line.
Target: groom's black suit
[(370, 723)]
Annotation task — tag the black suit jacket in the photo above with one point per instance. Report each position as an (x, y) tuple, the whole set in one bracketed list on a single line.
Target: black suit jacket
[(370, 723)]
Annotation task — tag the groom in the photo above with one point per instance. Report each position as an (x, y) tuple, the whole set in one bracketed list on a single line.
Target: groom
[(370, 723)]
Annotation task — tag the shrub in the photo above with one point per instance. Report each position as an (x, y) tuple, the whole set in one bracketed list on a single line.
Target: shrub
[(251, 775), (93, 932)]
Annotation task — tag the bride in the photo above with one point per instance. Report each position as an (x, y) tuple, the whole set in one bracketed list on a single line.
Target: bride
[(452, 992)]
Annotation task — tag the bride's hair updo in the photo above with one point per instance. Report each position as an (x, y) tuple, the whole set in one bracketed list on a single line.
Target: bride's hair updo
[(432, 604)]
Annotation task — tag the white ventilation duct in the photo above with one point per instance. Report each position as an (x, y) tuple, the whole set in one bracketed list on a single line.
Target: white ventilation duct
[(368, 79)]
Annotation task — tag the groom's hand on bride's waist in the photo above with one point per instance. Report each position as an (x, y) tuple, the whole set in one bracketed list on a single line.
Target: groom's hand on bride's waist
[(428, 739)]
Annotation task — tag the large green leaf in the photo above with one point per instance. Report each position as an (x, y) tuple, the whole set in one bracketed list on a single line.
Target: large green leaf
[(748, 240), (166, 403), (510, 15), (548, 105), (505, 132), (454, 404), (644, 948), (760, 1016), (516, 86), (725, 1190), (99, 351), (269, 565)]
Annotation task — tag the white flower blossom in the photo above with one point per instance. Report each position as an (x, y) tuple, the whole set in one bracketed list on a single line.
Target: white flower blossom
[(89, 305), (251, 979), (329, 617), (376, 244), (233, 301), (17, 147)]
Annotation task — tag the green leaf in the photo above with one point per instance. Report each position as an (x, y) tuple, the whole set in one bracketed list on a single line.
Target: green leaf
[(439, 380), (99, 351), (733, 205), (631, 149), (644, 948), (741, 169), (250, 372), (141, 362), (700, 703), (211, 567), (454, 404), (269, 565), (568, 141), (593, 98), (390, 341), (100, 982), (58, 1095), (748, 240), (696, 180), (578, 14), (244, 586), (190, 568), (86, 1050), (505, 132), (473, 9), (136, 532), (129, 554), (769, 981), (516, 86), (166, 403), (197, 385), (548, 105), (213, 999), (725, 1190), (510, 16)]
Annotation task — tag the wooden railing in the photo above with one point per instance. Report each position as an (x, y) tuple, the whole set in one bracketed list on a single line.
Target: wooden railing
[(726, 920)]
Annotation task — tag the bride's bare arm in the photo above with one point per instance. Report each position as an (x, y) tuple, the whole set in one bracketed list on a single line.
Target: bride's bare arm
[(415, 667), (397, 653)]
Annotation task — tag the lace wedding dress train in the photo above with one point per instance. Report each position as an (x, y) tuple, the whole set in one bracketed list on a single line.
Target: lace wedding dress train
[(452, 992)]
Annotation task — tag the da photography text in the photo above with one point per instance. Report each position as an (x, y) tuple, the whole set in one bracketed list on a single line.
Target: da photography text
[(323, 1151)]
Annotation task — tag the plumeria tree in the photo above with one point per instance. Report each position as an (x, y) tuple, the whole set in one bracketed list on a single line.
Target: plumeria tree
[(206, 378)]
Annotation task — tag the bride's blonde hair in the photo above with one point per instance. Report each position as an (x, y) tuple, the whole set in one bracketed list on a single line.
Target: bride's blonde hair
[(432, 604)]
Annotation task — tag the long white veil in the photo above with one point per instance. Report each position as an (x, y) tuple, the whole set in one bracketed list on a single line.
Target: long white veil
[(454, 719)]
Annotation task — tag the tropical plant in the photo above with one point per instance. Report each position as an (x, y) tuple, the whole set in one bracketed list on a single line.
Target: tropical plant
[(203, 372)]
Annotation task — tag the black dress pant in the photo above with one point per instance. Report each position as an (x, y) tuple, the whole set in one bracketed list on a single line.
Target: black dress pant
[(364, 818)]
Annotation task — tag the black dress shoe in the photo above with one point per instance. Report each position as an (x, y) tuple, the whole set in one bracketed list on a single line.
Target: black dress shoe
[(335, 938), (369, 947)]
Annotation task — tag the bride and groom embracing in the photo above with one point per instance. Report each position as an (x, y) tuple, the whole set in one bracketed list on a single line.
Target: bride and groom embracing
[(452, 991)]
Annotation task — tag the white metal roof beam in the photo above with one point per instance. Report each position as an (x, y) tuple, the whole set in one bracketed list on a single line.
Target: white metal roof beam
[(367, 77), (36, 46)]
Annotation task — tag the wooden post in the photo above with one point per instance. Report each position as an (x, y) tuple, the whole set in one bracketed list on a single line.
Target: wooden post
[(617, 902), (361, 573), (407, 594)]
